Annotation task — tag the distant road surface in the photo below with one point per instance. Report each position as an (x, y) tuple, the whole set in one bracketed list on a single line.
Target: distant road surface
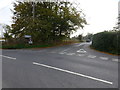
[(69, 66)]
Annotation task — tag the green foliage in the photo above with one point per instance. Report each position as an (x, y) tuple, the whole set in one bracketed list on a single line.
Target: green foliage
[(7, 34), (89, 36), (20, 46), (79, 37), (52, 21), (107, 41)]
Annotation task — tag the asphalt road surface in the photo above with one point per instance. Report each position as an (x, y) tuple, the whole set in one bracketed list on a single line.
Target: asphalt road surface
[(69, 66)]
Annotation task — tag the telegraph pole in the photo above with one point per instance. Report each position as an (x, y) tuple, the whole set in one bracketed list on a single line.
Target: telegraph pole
[(33, 11)]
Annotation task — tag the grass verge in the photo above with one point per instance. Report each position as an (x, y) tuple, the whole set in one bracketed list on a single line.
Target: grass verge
[(21, 46)]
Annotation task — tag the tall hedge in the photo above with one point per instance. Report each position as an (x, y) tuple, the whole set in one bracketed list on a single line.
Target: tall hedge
[(107, 41)]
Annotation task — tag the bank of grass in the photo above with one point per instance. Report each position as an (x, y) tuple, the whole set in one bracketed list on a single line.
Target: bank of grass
[(22, 46)]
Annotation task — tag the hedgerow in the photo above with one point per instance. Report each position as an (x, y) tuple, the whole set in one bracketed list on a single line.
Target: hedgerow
[(107, 41)]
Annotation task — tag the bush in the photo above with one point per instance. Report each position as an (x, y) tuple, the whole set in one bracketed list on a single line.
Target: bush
[(107, 41)]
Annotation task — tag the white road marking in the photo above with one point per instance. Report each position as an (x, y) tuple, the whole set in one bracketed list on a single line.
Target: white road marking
[(70, 54), (74, 73), (80, 54), (116, 60), (8, 57), (82, 51), (65, 50), (62, 52), (79, 44), (104, 58), (91, 56)]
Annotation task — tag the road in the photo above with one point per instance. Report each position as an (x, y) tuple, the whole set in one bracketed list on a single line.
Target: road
[(69, 66)]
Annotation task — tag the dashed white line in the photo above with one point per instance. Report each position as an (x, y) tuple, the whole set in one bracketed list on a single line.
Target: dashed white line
[(62, 53), (116, 60), (80, 55), (70, 54), (8, 57), (104, 58), (79, 44), (65, 50), (91, 56), (74, 73)]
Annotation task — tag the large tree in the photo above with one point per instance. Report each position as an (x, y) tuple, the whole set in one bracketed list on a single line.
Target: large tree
[(50, 21)]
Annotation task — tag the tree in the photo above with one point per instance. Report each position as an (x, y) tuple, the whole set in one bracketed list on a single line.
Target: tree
[(7, 34), (52, 21), (79, 37), (89, 36)]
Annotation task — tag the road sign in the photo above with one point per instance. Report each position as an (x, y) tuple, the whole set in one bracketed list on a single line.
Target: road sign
[(27, 36)]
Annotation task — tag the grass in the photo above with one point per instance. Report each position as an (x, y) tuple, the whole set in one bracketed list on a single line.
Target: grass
[(21, 46), (18, 46)]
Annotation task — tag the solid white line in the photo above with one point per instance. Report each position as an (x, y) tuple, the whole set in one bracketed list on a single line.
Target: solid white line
[(74, 73), (8, 57)]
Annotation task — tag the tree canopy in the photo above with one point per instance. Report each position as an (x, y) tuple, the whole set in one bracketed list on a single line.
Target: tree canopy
[(47, 21)]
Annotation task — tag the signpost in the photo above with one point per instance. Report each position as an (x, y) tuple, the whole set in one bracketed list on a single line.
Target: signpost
[(27, 36), (29, 39)]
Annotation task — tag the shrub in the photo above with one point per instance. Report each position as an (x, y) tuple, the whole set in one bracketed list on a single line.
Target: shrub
[(107, 41)]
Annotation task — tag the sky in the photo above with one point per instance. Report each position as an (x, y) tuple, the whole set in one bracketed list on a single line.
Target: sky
[(100, 14)]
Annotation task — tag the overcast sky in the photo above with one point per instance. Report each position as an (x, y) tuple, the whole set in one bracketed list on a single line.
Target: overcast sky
[(100, 14)]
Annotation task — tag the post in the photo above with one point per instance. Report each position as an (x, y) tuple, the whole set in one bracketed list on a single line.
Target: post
[(33, 10)]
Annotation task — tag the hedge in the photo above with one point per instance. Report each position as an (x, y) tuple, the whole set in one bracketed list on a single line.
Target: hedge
[(107, 42)]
